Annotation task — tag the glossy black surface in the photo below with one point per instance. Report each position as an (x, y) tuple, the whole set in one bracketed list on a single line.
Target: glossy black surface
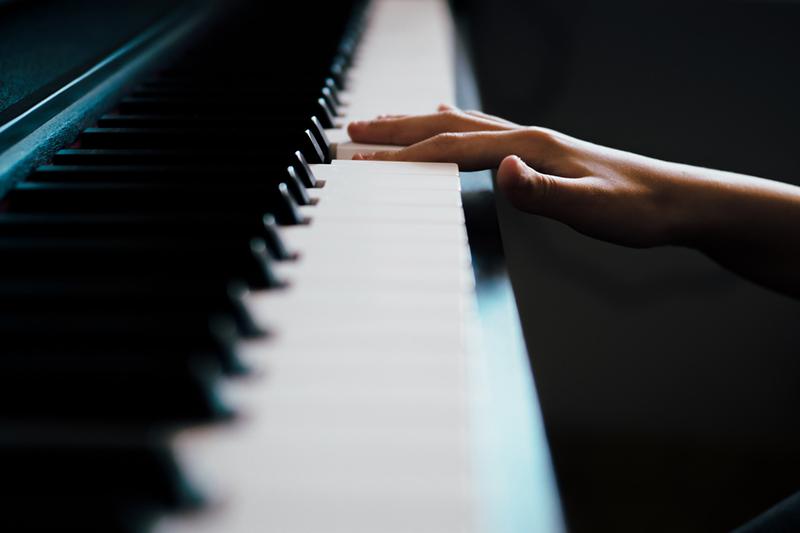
[(46, 43)]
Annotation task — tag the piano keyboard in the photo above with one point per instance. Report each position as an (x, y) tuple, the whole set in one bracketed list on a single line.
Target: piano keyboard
[(358, 419), (215, 320)]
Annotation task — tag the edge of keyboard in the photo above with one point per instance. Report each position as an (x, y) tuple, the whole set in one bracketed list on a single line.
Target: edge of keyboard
[(517, 479)]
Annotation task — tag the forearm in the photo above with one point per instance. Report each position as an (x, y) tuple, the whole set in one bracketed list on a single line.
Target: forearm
[(748, 224)]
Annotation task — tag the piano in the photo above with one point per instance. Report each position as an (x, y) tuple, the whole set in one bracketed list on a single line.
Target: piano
[(214, 320)]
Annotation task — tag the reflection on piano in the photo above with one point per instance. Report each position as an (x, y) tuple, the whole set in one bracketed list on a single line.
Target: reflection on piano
[(213, 320)]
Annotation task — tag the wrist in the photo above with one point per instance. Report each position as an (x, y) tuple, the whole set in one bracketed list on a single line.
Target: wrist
[(691, 212)]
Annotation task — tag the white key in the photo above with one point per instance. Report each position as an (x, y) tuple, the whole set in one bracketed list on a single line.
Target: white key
[(351, 193), (394, 167)]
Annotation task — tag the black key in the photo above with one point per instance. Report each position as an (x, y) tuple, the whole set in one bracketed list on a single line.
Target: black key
[(330, 85), (191, 91), (244, 81), (131, 294), (119, 330), (150, 174), (252, 125), (104, 482), (112, 394), (245, 122), (301, 107), (296, 187), (141, 199), (207, 156), (299, 75), (303, 170), (177, 174), (177, 138), (139, 226), (322, 138), (173, 259), (332, 101), (195, 138), (172, 138)]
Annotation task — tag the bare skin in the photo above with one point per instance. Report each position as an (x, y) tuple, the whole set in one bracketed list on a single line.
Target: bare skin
[(750, 225)]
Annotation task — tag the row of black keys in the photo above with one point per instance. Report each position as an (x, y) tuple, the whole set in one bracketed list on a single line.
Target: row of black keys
[(124, 265), (175, 220), (190, 208), (205, 227)]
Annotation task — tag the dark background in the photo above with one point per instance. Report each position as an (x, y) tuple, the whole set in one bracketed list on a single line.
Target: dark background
[(669, 386)]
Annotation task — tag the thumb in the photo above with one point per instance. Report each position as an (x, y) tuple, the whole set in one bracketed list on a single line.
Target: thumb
[(532, 191)]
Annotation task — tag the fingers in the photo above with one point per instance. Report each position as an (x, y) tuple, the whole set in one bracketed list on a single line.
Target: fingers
[(500, 121), (410, 129), (532, 191), (470, 150), (481, 115)]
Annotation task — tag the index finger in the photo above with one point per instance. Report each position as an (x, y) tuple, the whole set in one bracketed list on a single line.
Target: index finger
[(410, 129), (470, 150)]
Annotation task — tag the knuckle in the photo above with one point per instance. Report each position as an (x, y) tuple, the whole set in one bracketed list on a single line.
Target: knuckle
[(446, 139), (449, 117), (540, 136)]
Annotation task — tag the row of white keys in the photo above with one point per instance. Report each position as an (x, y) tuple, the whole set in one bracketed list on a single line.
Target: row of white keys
[(356, 417), (405, 61)]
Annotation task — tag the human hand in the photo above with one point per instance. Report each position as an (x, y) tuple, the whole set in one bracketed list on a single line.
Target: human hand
[(605, 193), (750, 225)]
